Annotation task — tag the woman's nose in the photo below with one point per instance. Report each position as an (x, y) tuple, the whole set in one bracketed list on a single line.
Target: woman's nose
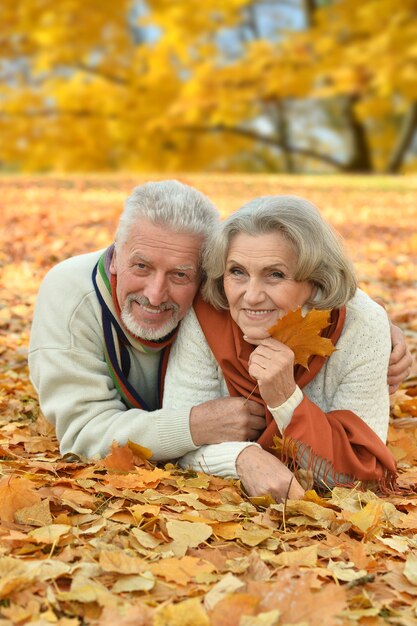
[(254, 292)]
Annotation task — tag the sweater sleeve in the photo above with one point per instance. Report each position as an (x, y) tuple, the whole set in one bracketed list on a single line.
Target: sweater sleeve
[(193, 377), (347, 405), (70, 374)]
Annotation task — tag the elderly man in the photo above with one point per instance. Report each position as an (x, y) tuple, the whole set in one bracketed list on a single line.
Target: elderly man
[(102, 329), (104, 323)]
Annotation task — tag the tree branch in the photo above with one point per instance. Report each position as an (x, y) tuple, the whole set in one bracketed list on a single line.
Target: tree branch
[(269, 140), (117, 80)]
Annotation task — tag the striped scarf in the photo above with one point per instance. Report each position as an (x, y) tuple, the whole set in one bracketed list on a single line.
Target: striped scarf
[(117, 338)]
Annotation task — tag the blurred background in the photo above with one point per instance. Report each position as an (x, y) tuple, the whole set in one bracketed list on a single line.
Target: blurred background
[(296, 86)]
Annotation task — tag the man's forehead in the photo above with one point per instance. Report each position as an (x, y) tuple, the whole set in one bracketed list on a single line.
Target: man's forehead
[(180, 261)]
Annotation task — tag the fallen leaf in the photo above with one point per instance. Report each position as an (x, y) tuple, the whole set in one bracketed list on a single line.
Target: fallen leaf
[(181, 570), (139, 582), (187, 613), (302, 334), (227, 585), (229, 610), (270, 618), (187, 535), (35, 515), (410, 568), (140, 451), (16, 493)]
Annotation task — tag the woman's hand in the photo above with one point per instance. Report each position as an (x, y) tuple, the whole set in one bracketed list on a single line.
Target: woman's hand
[(262, 473), (271, 364)]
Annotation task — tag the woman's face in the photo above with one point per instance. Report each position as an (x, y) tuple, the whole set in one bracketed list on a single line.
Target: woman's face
[(258, 280)]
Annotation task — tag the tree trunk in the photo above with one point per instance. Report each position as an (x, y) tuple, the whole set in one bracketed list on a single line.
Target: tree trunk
[(360, 161), (404, 140), (283, 133)]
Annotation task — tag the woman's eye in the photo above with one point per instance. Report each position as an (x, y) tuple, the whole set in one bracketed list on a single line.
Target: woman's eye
[(277, 275), (235, 271)]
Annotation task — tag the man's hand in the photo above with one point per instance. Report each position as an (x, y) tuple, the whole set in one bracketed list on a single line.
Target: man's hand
[(400, 360), (262, 473), (226, 419)]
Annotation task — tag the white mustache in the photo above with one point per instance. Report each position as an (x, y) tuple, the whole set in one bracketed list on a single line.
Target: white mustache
[(144, 301)]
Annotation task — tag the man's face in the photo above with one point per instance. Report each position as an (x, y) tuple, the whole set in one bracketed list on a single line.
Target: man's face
[(157, 278)]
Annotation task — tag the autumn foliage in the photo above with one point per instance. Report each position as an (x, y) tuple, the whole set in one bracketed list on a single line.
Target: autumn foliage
[(121, 541), (302, 334), (237, 85)]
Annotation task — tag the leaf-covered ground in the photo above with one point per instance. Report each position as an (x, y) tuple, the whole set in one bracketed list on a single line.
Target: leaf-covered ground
[(122, 542)]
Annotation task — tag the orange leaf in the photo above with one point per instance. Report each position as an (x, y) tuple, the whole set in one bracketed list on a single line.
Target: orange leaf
[(16, 493), (119, 458), (301, 334), (181, 570), (140, 451), (228, 612)]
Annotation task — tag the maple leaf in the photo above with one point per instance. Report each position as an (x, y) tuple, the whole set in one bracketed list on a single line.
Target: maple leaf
[(301, 334), (16, 493)]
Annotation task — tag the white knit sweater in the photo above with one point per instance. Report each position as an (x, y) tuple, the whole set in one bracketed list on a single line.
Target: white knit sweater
[(354, 377), (70, 374)]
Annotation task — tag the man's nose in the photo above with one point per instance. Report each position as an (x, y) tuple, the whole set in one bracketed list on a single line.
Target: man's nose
[(156, 289)]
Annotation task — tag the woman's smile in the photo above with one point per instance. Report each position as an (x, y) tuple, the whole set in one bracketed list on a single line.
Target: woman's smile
[(259, 280)]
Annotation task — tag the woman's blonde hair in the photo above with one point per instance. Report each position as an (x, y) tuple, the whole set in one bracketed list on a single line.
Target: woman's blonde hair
[(321, 258)]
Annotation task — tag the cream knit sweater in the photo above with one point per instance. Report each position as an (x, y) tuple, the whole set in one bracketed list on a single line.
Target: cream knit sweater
[(70, 374), (354, 377)]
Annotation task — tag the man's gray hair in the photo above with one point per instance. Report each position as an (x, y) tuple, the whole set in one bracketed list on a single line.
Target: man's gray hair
[(321, 257), (170, 204)]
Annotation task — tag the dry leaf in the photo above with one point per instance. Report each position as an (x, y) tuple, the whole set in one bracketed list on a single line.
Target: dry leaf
[(187, 613), (140, 451), (187, 535), (59, 573), (302, 334), (228, 612), (16, 493), (181, 570)]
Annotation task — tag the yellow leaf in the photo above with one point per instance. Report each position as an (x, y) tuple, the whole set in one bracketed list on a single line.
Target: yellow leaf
[(345, 571), (182, 570), (16, 493), (254, 535), (140, 451), (369, 518), (187, 534), (139, 582), (35, 515), (410, 568), (303, 557), (51, 533), (228, 584), (187, 613), (118, 561), (301, 334)]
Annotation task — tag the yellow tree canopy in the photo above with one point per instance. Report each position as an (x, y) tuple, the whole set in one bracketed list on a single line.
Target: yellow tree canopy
[(240, 84)]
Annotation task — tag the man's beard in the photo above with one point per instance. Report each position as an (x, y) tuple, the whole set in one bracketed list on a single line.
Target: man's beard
[(143, 332)]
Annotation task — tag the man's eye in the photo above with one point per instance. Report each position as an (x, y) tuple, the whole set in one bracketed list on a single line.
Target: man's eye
[(181, 277)]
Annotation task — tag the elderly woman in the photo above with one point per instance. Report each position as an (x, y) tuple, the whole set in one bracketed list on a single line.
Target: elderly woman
[(273, 255)]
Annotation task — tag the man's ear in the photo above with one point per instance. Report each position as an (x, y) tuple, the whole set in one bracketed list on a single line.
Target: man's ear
[(113, 263)]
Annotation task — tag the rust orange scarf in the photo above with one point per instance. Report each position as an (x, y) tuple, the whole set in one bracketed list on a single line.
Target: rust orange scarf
[(337, 443)]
